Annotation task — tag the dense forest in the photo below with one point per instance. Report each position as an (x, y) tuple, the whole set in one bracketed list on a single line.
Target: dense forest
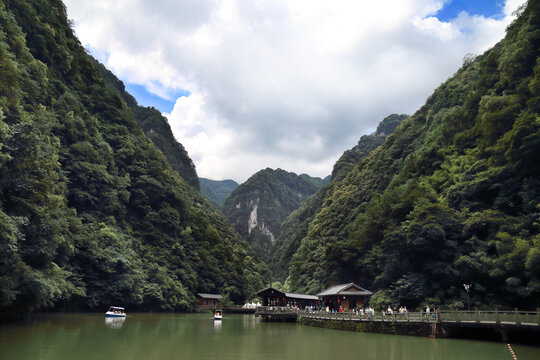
[(295, 226), (258, 206), (452, 197), (216, 191), (91, 212)]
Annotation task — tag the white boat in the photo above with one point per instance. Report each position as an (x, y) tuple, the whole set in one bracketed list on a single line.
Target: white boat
[(218, 315), (115, 311)]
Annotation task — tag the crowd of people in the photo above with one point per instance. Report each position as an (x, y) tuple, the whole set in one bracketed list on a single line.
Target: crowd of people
[(368, 311)]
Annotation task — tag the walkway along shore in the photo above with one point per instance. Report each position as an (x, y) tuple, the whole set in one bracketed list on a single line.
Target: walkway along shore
[(514, 326)]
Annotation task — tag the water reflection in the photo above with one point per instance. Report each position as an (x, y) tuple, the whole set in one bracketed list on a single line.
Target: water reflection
[(114, 322), (241, 337)]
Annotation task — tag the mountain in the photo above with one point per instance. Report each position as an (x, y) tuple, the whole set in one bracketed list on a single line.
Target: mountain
[(156, 128), (295, 227), (258, 206), (216, 191), (91, 213), (451, 197)]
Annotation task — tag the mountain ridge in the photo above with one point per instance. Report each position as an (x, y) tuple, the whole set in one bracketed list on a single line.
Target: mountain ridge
[(156, 128)]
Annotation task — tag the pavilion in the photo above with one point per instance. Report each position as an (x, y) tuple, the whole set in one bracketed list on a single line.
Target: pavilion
[(274, 297), (347, 296)]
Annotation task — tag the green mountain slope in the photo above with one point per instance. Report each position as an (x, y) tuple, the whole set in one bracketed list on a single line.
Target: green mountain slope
[(216, 191), (91, 213), (157, 129), (257, 207), (295, 227), (451, 198)]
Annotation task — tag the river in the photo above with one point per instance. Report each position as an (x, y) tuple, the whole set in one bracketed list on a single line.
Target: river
[(198, 336)]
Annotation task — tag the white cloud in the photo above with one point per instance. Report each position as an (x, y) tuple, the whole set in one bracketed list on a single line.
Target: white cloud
[(281, 83)]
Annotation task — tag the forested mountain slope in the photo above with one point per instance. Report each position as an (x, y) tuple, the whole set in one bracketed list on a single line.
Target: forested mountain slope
[(91, 213), (156, 128), (451, 198), (216, 191), (258, 206), (295, 227)]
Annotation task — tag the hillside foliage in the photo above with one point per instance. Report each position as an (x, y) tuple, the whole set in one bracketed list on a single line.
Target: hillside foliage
[(91, 213), (295, 227), (216, 191)]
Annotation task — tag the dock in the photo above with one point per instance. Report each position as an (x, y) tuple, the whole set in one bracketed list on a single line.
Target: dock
[(494, 324)]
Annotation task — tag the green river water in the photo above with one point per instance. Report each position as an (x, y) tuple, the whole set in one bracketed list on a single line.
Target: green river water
[(198, 336)]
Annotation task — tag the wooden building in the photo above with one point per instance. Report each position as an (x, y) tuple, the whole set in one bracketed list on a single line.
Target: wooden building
[(274, 297), (346, 296), (208, 301)]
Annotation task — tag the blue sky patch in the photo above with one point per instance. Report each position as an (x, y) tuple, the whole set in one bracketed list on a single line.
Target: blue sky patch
[(139, 92), (486, 8), (145, 98)]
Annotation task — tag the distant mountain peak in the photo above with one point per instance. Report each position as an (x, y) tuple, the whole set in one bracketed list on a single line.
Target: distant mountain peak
[(258, 206)]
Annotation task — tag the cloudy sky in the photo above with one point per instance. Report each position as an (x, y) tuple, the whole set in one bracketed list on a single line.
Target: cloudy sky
[(250, 84)]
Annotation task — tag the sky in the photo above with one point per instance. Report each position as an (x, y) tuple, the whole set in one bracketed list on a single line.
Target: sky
[(291, 84)]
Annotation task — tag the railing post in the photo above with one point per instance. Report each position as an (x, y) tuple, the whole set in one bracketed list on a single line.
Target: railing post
[(477, 316), (457, 316), (517, 317), (538, 316), (497, 319)]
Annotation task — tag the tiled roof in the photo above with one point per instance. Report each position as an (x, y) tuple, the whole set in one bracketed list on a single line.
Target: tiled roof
[(340, 290), (302, 296), (291, 295), (210, 296)]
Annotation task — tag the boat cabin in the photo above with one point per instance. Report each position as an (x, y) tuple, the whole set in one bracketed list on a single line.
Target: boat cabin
[(345, 296), (117, 310)]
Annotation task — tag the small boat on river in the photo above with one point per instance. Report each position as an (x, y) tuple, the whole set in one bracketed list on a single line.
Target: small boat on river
[(218, 315), (115, 311)]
